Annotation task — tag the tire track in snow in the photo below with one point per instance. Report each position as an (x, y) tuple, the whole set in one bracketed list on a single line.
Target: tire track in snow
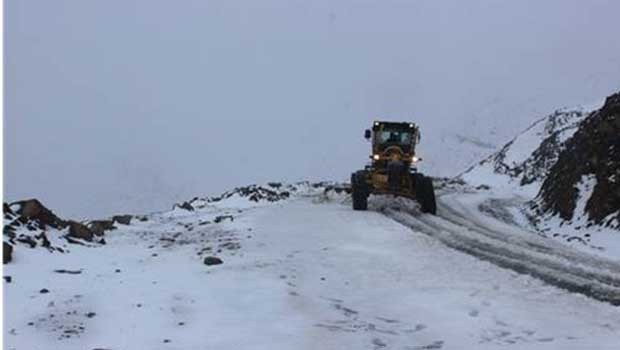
[(522, 252)]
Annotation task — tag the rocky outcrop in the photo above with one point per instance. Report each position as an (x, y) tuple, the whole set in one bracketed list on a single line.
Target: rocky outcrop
[(6, 210), (185, 206), (256, 193), (593, 155), (29, 223), (33, 211), (99, 227), (122, 219), (270, 193), (80, 231)]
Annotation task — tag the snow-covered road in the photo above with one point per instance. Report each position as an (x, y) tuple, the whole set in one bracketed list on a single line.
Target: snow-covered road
[(297, 274), (462, 226)]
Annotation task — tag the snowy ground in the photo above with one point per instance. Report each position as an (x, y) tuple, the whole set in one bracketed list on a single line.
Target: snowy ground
[(297, 274)]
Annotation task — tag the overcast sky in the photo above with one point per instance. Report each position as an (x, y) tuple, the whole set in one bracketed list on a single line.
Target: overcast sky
[(127, 106)]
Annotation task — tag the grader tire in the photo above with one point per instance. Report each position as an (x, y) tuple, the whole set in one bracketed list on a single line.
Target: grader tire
[(425, 194), (359, 192)]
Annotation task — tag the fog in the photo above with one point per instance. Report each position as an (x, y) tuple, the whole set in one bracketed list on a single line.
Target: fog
[(129, 106)]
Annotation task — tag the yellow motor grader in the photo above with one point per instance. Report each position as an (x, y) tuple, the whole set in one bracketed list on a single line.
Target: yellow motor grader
[(393, 167)]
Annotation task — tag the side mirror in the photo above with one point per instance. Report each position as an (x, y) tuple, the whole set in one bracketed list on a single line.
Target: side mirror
[(367, 134)]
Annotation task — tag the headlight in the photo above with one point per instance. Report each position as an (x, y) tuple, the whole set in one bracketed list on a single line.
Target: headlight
[(375, 157), (415, 159)]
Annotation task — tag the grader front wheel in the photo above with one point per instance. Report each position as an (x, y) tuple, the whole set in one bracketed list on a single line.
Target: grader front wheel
[(359, 191), (425, 194)]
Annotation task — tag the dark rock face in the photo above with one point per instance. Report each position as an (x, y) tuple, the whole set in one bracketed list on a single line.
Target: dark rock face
[(77, 230), (212, 260), (7, 253), (594, 150)]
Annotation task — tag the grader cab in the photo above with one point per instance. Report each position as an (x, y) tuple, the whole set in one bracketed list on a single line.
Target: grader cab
[(393, 167)]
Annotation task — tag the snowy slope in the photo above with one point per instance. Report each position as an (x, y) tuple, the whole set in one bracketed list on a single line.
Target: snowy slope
[(304, 272), (522, 164), (514, 175)]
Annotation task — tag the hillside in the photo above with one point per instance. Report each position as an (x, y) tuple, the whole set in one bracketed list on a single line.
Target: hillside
[(583, 185), (561, 174), (523, 163)]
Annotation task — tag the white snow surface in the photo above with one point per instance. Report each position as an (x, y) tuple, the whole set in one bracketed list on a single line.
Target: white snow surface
[(585, 187), (303, 273)]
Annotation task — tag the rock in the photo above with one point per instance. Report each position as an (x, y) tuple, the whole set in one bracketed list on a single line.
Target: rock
[(78, 230), (70, 272), (256, 193), (336, 188), (7, 253), (32, 209), (8, 279), (212, 260), (31, 242), (44, 291), (221, 218), (45, 242), (9, 230), (90, 314), (8, 213), (98, 227), (122, 219), (185, 205)]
